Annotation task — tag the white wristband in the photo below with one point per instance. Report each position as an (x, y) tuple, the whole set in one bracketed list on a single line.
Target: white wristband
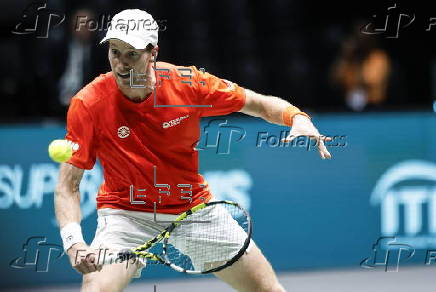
[(71, 234)]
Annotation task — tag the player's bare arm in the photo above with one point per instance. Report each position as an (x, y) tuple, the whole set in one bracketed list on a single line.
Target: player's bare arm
[(275, 110), (67, 196), (67, 209)]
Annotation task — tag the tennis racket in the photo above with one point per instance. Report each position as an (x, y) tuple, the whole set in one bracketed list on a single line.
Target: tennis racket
[(205, 239)]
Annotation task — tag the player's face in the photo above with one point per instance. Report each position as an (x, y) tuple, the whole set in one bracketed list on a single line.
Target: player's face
[(123, 58)]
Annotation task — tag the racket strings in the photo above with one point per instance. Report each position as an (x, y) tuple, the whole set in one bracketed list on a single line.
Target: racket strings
[(201, 246)]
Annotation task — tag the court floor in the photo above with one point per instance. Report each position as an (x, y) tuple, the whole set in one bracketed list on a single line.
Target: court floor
[(407, 279)]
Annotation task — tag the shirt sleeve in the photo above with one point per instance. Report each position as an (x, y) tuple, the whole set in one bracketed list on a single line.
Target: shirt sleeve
[(80, 132), (222, 96)]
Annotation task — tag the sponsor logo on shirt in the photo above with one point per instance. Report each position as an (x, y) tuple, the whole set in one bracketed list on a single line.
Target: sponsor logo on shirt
[(123, 132), (173, 122), (74, 145)]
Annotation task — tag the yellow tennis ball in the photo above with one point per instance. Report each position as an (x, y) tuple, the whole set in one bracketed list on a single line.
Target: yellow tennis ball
[(60, 150)]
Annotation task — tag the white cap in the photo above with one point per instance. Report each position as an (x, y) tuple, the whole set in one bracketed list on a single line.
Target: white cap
[(135, 27)]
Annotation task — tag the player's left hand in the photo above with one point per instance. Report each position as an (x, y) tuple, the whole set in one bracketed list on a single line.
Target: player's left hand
[(302, 126)]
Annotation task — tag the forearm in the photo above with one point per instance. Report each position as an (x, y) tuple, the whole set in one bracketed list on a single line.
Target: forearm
[(267, 107), (67, 195), (67, 206), (278, 111)]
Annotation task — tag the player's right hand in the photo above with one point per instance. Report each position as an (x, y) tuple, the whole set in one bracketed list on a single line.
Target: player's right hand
[(83, 258)]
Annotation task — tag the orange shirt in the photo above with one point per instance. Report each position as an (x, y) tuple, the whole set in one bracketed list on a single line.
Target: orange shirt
[(146, 151)]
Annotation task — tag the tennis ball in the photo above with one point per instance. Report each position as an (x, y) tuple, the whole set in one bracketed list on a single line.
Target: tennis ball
[(60, 150)]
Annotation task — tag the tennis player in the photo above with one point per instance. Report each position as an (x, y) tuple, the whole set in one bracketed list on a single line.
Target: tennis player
[(147, 153)]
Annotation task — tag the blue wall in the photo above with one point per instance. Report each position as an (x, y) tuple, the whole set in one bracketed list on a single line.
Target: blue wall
[(307, 212)]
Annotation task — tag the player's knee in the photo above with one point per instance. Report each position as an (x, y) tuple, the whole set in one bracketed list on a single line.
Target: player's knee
[(90, 282), (277, 288), (271, 287), (94, 282)]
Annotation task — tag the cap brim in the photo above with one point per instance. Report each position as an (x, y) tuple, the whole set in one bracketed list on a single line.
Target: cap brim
[(135, 42)]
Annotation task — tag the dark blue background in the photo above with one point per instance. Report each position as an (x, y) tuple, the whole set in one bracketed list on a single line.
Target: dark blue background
[(307, 212)]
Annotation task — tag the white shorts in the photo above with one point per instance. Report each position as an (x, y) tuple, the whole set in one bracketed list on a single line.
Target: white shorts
[(121, 229)]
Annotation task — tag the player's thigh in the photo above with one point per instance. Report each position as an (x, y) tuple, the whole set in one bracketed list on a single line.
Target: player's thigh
[(252, 272), (112, 278)]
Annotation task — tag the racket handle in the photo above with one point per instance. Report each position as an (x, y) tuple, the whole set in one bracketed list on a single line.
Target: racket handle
[(116, 258)]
